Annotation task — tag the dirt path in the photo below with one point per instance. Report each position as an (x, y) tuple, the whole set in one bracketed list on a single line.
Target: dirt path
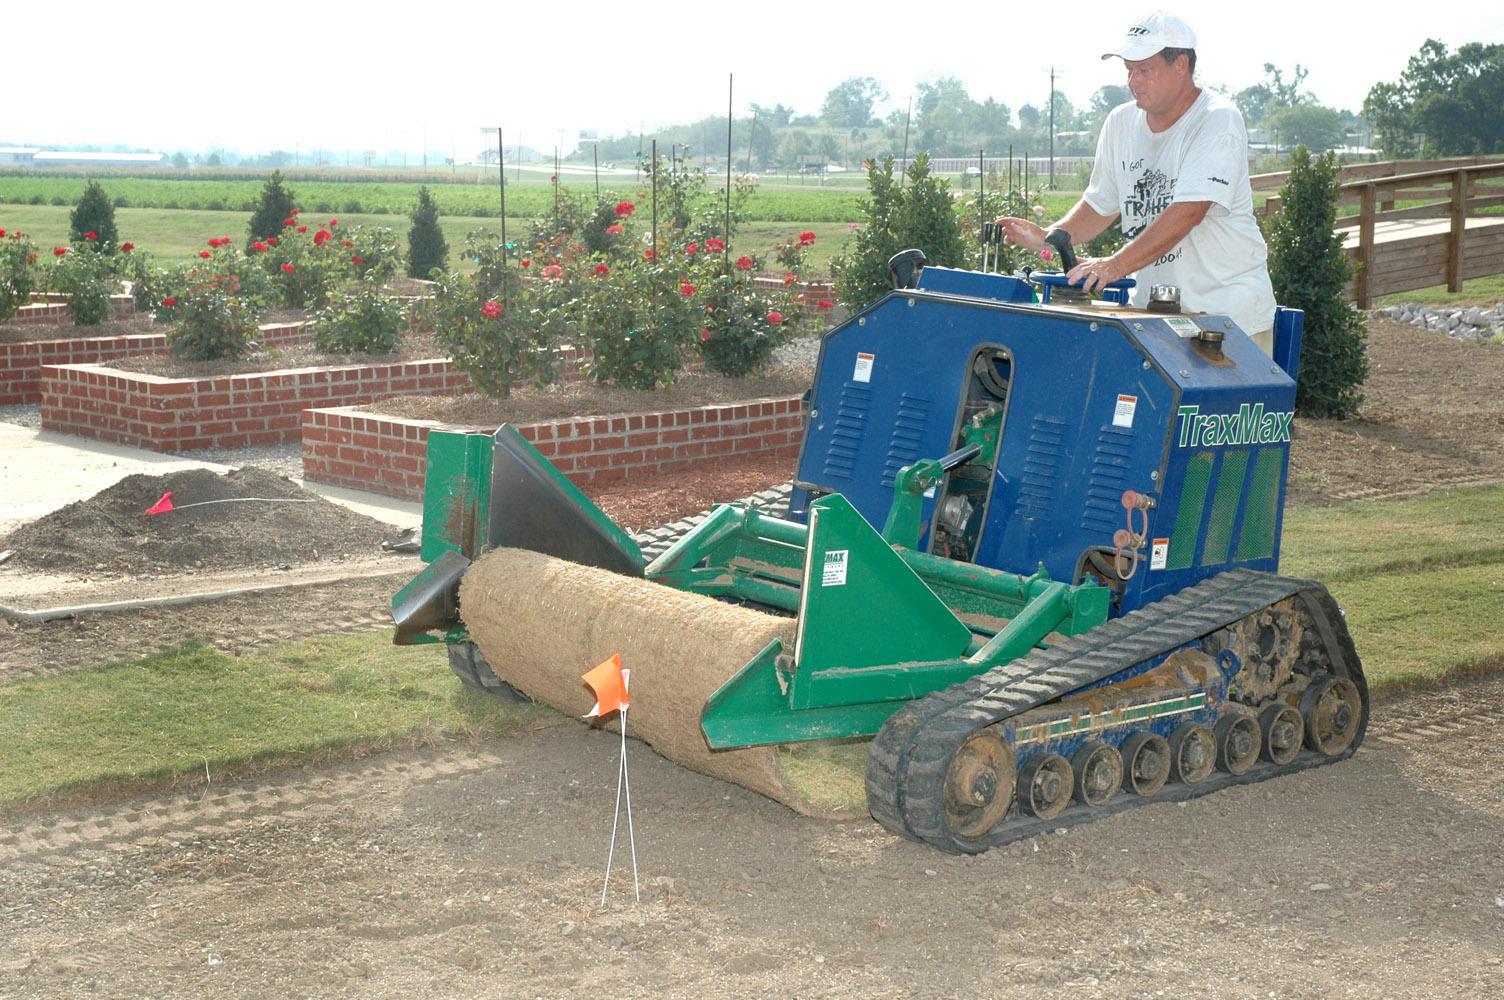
[(475, 871)]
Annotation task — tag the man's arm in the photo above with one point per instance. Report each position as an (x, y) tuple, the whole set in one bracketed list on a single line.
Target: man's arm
[(1172, 226), (1083, 222)]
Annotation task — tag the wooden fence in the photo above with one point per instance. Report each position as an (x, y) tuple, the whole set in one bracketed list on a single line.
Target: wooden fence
[(1438, 237)]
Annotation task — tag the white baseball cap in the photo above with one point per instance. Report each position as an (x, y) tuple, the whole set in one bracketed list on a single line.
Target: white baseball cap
[(1149, 35)]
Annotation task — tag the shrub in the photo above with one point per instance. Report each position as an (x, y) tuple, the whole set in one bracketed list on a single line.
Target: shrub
[(360, 320), (213, 320), (372, 252), (273, 204), (18, 255), (496, 326), (426, 246), (148, 282), (307, 264), (94, 213), (640, 320), (743, 325), (85, 275), (1310, 269)]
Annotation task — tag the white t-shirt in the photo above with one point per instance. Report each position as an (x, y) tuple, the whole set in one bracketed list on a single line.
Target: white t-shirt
[(1221, 265)]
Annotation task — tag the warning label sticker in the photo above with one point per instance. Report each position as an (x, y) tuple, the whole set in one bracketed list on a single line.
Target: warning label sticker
[(1159, 554), (1122, 414), (1184, 327), (834, 573), (863, 370)]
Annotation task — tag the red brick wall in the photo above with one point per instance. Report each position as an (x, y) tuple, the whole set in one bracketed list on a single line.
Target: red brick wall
[(21, 364), (367, 451), (53, 310), (227, 411)]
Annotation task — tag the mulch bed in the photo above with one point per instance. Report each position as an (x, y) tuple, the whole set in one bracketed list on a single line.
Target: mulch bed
[(26, 333), (584, 398), (110, 533), (415, 346)]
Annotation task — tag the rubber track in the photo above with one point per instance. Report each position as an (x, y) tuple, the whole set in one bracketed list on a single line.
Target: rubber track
[(910, 756)]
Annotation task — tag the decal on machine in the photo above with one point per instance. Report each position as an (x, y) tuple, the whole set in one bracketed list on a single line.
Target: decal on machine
[(1249, 425), (1122, 414), (1159, 553), (863, 370), (834, 572)]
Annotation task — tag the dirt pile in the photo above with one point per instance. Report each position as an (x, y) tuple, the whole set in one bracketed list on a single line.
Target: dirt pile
[(110, 533)]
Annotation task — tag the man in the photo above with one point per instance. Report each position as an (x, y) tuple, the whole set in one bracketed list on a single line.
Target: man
[(1172, 164)]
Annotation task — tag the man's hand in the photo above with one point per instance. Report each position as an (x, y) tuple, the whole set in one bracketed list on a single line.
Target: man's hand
[(1022, 232), (1097, 273)]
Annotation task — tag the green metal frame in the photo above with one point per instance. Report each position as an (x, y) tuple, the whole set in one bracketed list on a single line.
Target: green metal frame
[(878, 623)]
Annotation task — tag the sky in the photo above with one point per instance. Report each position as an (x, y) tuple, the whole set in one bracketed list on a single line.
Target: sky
[(167, 75)]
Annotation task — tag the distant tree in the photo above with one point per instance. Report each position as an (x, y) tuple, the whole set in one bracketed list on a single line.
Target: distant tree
[(1444, 103), (849, 104), (1274, 93), (1029, 116), (179, 160), (213, 160), (426, 246), (1314, 126), (274, 204), (1103, 101), (1310, 269), (94, 213)]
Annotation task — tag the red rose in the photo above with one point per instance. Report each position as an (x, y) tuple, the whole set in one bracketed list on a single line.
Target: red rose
[(271, 240), (806, 239), (526, 262), (357, 260), (2, 232), (745, 263), (624, 209), (615, 229), (302, 229), (491, 309), (204, 253), (91, 235), (789, 278), (349, 243), (650, 254), (169, 302), (692, 249), (333, 223), (826, 304), (258, 247), (124, 247), (704, 334), (321, 237), (59, 251), (714, 245), (775, 317), (289, 221), (31, 258), (296, 211), (553, 271), (602, 269), (553, 178), (287, 267), (686, 289)]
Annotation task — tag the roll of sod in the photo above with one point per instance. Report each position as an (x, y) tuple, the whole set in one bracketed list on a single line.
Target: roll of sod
[(542, 622)]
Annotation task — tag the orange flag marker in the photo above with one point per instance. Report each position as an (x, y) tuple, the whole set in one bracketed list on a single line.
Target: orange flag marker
[(609, 682), (163, 505)]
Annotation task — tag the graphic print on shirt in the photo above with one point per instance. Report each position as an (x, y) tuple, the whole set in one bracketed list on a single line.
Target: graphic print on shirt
[(1152, 194)]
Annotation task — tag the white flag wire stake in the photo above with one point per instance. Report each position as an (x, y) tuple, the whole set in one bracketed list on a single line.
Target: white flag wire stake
[(622, 782)]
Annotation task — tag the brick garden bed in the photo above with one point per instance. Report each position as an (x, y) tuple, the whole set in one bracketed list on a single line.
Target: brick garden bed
[(51, 309), (222, 411), (348, 447), (21, 363)]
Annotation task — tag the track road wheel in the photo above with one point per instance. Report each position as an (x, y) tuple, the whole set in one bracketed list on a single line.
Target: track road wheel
[(1333, 712), (1099, 773), (1283, 730), (1044, 785), (1193, 753), (979, 786), (1146, 763), (1237, 743)]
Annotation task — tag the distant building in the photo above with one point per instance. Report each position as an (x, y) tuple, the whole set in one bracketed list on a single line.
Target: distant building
[(27, 156)]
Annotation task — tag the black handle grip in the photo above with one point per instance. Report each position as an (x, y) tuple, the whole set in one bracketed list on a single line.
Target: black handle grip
[(1060, 240)]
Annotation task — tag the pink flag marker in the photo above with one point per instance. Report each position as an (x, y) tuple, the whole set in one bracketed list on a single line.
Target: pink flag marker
[(163, 505)]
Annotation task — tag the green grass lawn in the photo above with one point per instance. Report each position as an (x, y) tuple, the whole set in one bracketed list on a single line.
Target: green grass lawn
[(1489, 288), (1420, 581)]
